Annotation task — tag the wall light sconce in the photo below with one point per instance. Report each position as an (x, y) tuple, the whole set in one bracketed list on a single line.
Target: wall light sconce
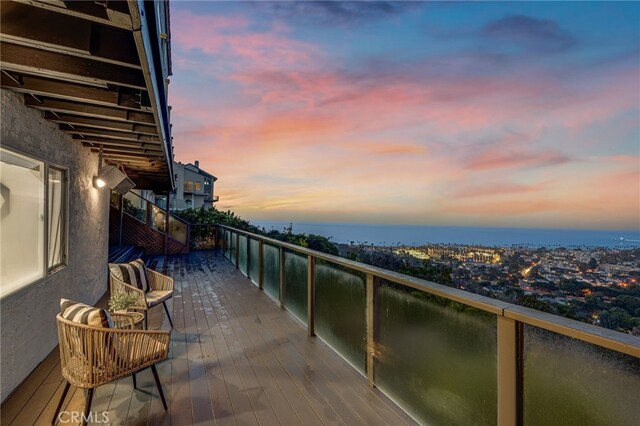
[(112, 177), (98, 182)]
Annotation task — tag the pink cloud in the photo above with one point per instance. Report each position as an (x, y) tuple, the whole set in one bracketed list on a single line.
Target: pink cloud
[(230, 40), (515, 159)]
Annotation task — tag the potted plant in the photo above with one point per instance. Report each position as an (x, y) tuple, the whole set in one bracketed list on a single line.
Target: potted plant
[(121, 302)]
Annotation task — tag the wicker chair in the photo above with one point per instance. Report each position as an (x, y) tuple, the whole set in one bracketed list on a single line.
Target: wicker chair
[(93, 356), (161, 290)]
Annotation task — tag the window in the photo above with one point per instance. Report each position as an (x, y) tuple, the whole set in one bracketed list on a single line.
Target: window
[(191, 186), (33, 219)]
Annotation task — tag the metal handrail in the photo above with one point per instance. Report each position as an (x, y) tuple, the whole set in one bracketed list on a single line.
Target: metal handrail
[(600, 336), (163, 210)]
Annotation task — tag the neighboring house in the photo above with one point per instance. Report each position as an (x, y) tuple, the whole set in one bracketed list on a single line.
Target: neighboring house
[(83, 83), (194, 187)]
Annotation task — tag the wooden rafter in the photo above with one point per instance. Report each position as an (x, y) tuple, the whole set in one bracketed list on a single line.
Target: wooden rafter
[(96, 123), (30, 60), (117, 16), (124, 98), (45, 29), (88, 110), (108, 134)]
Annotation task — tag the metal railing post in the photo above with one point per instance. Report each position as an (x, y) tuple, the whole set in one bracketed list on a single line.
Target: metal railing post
[(370, 318), (507, 372), (260, 265), (281, 262), (311, 295)]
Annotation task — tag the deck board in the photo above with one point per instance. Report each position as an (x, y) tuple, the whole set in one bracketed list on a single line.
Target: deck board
[(236, 358)]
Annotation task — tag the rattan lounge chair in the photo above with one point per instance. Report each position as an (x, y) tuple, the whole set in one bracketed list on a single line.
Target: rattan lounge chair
[(160, 290), (92, 356)]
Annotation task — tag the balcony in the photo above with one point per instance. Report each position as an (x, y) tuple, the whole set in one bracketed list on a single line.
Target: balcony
[(236, 358), (352, 340)]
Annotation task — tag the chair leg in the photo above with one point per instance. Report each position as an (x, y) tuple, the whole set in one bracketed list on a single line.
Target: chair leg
[(146, 323), (159, 386), (135, 384), (64, 395), (87, 406), (167, 310)]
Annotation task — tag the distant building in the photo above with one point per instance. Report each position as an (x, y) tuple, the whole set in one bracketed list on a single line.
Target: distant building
[(194, 187)]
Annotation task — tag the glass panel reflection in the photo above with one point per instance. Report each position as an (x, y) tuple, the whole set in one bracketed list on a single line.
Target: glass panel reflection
[(295, 284), (436, 357), (254, 264), (571, 382), (271, 271), (340, 311)]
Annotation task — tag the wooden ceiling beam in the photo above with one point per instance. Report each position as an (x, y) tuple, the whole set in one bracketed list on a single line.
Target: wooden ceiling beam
[(124, 151), (29, 60), (102, 140), (68, 107), (97, 123), (108, 134), (115, 17), (124, 98), (119, 144), (45, 29)]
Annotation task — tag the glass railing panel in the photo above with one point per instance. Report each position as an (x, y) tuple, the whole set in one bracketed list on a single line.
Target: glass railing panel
[(435, 357), (254, 261), (271, 270), (570, 382), (227, 244), (340, 311), (157, 218), (242, 258), (135, 206), (178, 230), (233, 248), (295, 284)]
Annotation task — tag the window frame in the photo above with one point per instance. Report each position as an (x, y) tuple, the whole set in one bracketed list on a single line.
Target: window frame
[(64, 206), (48, 271)]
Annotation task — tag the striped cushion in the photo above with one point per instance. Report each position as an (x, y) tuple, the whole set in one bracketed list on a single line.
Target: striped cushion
[(132, 273), (85, 314)]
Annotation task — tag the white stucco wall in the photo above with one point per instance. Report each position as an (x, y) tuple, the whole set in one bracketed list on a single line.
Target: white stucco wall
[(27, 327)]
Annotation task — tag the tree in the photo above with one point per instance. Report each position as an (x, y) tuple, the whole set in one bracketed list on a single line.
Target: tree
[(593, 264)]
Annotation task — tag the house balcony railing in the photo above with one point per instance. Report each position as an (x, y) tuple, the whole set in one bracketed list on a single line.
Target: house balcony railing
[(154, 216), (444, 355)]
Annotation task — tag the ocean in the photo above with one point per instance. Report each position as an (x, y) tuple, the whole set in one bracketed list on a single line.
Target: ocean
[(415, 235)]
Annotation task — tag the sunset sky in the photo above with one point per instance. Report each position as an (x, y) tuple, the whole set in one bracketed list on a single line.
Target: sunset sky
[(521, 114)]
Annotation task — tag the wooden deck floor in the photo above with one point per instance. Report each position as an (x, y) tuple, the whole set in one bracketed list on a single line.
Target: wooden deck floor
[(236, 358)]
